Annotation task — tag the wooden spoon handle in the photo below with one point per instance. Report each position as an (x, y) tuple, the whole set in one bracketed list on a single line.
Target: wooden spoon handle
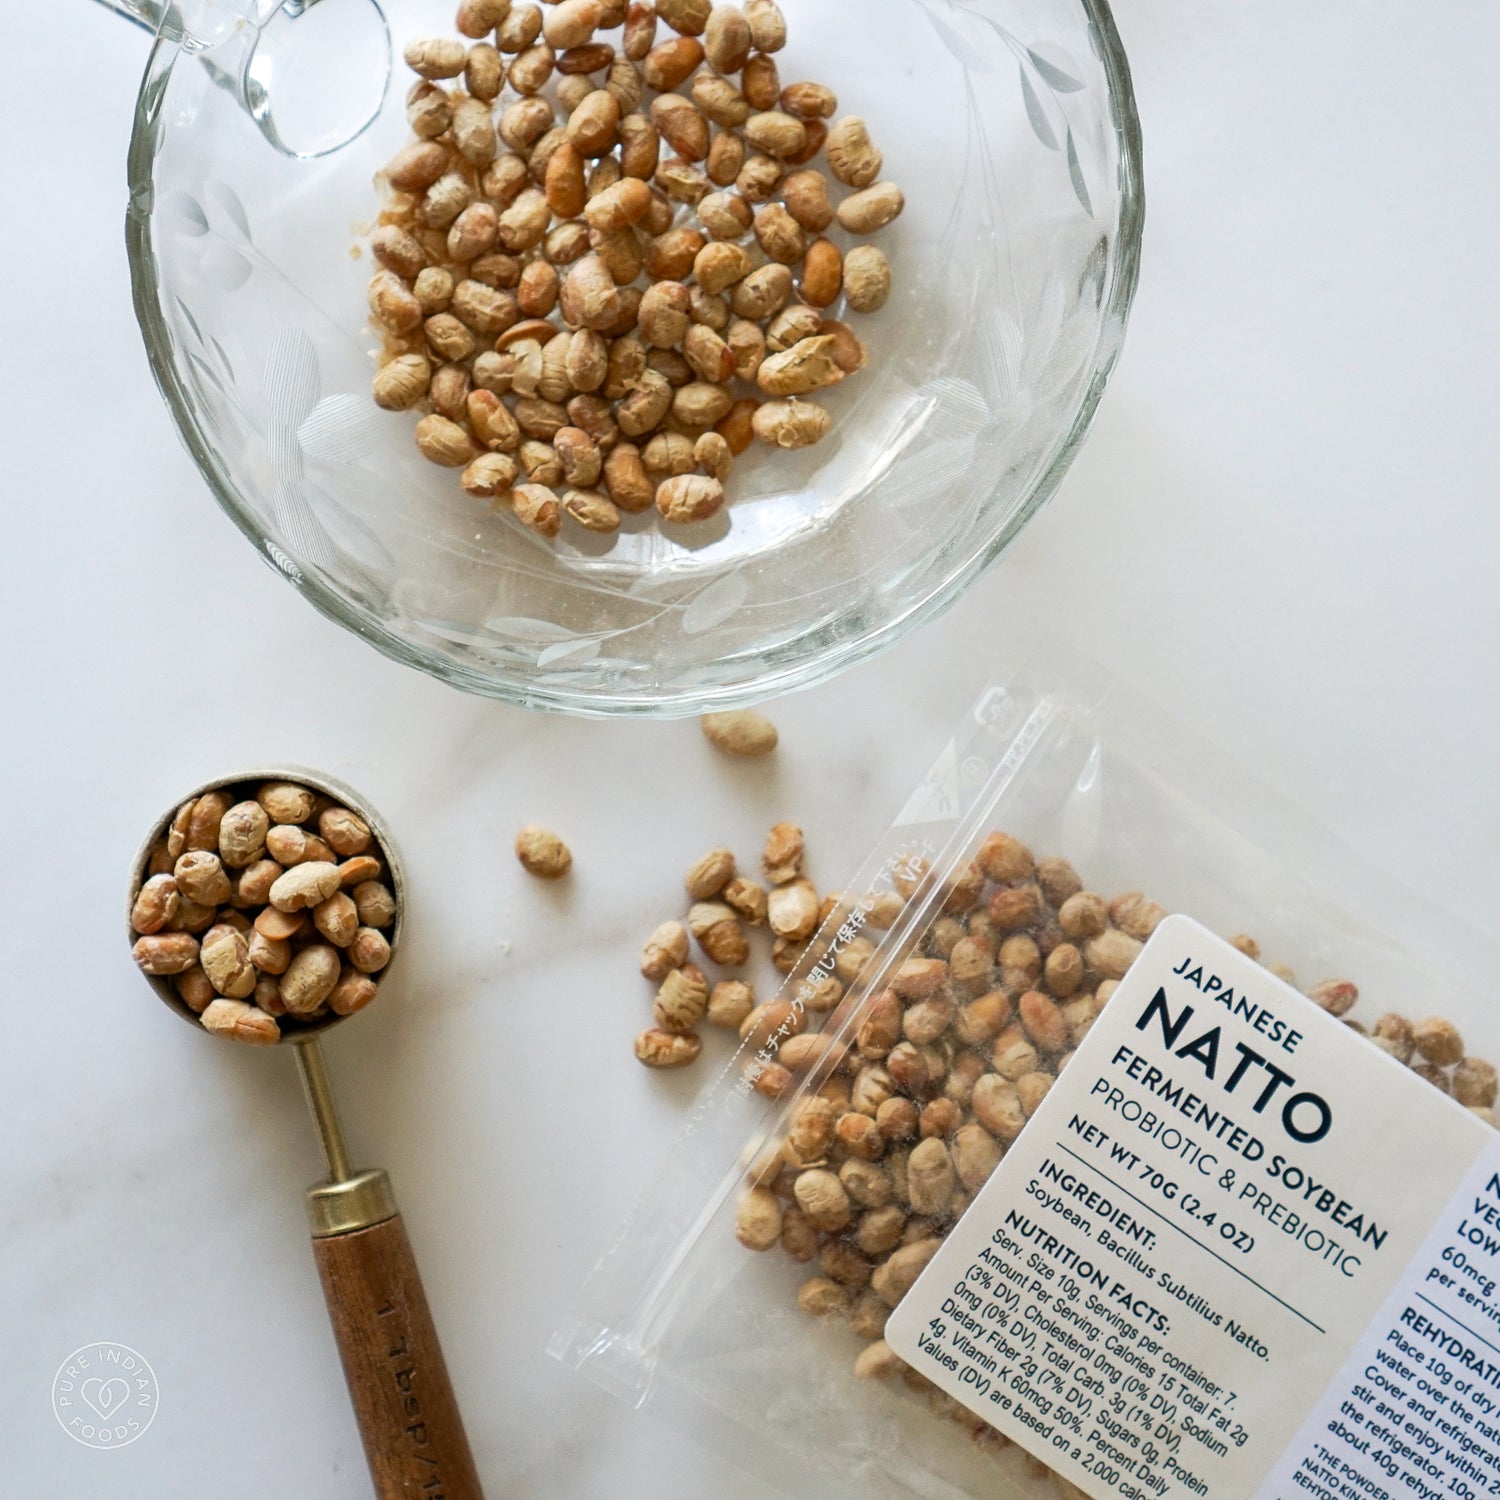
[(403, 1401)]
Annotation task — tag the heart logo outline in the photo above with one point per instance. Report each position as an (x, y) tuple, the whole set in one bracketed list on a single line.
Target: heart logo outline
[(104, 1401)]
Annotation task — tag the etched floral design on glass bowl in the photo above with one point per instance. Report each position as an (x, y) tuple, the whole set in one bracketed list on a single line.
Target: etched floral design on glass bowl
[(1011, 126)]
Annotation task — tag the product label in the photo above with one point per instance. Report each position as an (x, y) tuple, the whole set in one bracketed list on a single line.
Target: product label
[(1237, 1252)]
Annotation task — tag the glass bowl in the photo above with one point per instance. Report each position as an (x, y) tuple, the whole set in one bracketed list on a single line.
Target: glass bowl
[(1012, 128)]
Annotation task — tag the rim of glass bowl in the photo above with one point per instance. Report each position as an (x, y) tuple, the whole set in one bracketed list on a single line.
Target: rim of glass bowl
[(665, 702)]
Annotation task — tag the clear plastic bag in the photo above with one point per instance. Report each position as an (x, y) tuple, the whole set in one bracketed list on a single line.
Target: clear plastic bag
[(677, 1308)]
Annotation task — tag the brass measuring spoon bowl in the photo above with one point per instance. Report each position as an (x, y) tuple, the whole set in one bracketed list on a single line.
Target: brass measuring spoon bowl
[(384, 849)]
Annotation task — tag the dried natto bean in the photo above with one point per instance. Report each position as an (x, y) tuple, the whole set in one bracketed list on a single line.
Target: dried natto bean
[(740, 732), (542, 853)]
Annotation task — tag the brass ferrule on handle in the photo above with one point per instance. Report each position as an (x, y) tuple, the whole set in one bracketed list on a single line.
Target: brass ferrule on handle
[(358, 1202), (349, 1200)]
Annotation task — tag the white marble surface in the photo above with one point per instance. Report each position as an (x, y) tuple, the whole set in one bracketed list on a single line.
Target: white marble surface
[(1294, 470)]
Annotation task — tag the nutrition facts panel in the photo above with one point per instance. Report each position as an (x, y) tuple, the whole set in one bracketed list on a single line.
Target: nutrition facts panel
[(1215, 1226)]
